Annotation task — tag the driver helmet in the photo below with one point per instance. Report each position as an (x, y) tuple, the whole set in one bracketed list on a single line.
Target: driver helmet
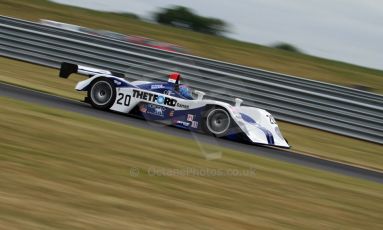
[(185, 91)]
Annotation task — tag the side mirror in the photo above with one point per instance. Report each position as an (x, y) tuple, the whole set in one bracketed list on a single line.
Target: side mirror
[(200, 94), (238, 102)]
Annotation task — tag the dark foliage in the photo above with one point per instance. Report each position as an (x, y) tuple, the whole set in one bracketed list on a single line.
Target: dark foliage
[(287, 47), (183, 17)]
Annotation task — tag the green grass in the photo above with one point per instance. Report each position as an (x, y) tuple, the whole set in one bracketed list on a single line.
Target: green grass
[(303, 139), (203, 45), (62, 170)]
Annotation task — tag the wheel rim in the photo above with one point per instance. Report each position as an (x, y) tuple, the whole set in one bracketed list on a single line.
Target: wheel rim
[(218, 121), (101, 93)]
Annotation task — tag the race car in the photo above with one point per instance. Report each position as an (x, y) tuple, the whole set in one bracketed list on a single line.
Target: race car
[(174, 104)]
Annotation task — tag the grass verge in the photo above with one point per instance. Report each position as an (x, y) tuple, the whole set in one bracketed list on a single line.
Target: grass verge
[(203, 45), (62, 170), (303, 139)]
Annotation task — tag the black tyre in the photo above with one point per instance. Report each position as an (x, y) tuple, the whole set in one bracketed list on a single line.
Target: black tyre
[(102, 94), (217, 122)]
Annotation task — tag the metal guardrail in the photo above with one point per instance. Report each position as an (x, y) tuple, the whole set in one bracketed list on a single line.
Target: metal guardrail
[(314, 104)]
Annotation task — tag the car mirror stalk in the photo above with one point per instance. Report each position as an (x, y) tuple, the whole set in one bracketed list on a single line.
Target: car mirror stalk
[(238, 102), (200, 94)]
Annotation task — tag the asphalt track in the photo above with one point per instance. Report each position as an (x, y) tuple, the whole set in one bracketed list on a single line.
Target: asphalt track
[(36, 97)]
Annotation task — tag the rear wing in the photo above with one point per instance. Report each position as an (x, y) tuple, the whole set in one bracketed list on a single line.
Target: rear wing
[(67, 69)]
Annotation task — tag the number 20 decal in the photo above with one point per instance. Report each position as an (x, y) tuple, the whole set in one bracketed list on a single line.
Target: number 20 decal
[(125, 98)]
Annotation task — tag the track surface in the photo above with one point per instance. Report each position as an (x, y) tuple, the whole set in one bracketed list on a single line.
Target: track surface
[(287, 156)]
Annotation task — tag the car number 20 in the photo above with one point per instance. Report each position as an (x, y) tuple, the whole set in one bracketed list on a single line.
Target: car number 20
[(123, 99)]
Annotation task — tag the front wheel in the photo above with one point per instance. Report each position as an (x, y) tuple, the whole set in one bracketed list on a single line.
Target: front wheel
[(102, 94), (217, 122)]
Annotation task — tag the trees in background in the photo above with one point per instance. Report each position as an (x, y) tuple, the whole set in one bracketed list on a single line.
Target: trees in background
[(184, 17), (287, 47)]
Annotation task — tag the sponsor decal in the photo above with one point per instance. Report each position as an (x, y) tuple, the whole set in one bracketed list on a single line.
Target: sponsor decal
[(156, 110), (183, 123), (182, 106), (152, 109), (157, 87), (171, 114), (161, 100), (117, 82), (143, 108), (194, 124), (190, 117)]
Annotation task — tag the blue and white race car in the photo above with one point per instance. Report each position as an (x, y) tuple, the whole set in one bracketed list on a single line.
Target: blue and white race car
[(172, 103)]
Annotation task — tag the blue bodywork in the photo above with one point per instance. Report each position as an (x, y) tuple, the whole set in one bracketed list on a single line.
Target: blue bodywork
[(190, 119), (186, 119)]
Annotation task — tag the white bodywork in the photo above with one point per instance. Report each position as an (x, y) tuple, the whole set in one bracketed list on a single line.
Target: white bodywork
[(264, 120), (257, 124)]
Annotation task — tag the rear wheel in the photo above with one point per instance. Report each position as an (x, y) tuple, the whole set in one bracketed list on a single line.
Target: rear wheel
[(102, 94), (217, 122)]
